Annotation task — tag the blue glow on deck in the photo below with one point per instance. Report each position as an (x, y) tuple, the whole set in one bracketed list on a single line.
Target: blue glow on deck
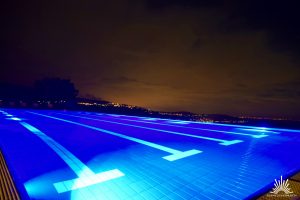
[(82, 155)]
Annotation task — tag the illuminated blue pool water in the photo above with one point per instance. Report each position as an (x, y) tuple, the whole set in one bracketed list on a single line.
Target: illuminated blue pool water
[(80, 155)]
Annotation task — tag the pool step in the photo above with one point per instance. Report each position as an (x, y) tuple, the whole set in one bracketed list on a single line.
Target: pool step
[(8, 190)]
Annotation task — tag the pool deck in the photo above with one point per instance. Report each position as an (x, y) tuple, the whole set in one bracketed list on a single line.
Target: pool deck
[(8, 189)]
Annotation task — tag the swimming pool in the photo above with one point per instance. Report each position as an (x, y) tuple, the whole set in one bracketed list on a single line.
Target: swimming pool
[(82, 155)]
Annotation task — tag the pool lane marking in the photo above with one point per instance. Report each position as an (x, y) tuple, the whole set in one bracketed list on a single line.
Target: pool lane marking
[(10, 117), (178, 122), (86, 176), (203, 129), (228, 125), (3, 112), (14, 118), (175, 154), (221, 141), (188, 127), (260, 130)]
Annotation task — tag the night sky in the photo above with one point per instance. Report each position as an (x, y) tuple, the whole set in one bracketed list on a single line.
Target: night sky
[(228, 57)]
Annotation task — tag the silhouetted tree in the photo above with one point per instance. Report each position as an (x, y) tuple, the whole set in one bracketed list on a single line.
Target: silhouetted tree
[(55, 89)]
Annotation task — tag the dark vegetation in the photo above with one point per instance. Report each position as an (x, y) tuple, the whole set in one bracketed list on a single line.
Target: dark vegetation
[(57, 93)]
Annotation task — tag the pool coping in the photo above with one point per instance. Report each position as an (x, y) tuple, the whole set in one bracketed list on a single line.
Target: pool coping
[(8, 189)]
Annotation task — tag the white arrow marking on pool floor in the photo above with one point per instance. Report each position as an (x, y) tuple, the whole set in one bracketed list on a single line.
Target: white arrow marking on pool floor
[(187, 127), (221, 142), (175, 154), (86, 176)]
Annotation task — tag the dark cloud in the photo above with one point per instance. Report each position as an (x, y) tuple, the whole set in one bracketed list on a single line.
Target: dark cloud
[(280, 20), (289, 90), (120, 79), (241, 85), (188, 4), (234, 57)]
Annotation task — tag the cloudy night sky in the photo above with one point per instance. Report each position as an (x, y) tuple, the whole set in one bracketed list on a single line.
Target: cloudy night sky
[(228, 57)]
